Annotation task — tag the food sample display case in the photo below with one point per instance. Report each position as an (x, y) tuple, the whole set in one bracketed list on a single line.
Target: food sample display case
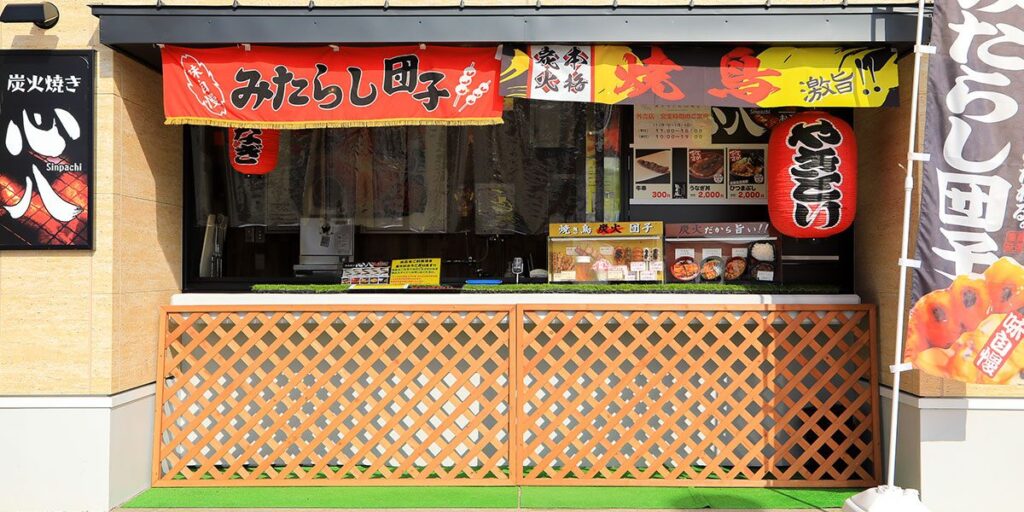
[(605, 252), (721, 252)]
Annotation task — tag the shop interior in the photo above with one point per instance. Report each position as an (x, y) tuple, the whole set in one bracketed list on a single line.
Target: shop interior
[(477, 197)]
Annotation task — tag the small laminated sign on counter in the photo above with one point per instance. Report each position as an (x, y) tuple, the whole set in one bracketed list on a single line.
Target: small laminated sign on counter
[(419, 271), (371, 272)]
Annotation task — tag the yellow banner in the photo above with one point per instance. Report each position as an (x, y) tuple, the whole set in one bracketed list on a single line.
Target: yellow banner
[(737, 76)]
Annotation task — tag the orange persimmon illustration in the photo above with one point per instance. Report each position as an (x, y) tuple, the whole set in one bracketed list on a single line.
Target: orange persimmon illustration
[(1005, 282), (970, 301), (916, 341), (948, 328), (935, 318)]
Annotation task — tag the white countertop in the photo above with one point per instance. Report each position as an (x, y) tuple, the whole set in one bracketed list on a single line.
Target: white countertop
[(268, 299)]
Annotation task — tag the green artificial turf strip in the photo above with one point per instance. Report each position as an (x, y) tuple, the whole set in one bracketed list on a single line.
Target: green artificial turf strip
[(537, 497), (326, 497), (612, 497), (758, 498), (569, 288), (821, 498)]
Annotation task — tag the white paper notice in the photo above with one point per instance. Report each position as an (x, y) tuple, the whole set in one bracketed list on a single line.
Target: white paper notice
[(709, 252), (684, 252), (565, 275), (671, 126)]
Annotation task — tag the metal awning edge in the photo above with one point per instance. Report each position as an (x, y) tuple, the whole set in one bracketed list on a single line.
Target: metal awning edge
[(135, 29)]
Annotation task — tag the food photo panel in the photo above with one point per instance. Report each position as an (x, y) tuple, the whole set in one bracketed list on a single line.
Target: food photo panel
[(706, 173), (746, 174), (652, 174)]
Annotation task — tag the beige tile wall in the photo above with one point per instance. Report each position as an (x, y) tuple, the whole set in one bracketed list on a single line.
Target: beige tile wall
[(77, 322)]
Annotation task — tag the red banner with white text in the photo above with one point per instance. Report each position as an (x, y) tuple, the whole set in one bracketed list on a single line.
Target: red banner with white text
[(318, 87)]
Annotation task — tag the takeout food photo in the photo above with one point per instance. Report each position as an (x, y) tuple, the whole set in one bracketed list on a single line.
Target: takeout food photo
[(747, 163), (706, 164), (947, 329), (653, 166)]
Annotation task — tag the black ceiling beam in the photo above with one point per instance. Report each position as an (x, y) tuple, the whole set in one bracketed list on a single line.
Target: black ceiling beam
[(130, 28)]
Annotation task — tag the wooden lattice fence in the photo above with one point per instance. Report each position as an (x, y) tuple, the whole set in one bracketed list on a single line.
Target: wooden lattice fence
[(503, 395)]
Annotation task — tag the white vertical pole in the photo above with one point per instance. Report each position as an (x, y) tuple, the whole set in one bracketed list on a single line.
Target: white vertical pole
[(908, 185)]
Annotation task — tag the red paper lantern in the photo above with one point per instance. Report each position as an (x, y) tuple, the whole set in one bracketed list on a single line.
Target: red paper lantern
[(253, 150), (812, 176)]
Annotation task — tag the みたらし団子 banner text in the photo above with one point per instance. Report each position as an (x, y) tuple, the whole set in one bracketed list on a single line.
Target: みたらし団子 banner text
[(318, 87)]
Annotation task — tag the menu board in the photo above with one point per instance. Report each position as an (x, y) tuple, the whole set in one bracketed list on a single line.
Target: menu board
[(694, 155)]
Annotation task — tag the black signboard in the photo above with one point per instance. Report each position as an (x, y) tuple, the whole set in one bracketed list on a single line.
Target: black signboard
[(46, 157)]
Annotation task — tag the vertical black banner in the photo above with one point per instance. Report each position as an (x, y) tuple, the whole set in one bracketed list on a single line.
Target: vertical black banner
[(46, 157), (966, 322)]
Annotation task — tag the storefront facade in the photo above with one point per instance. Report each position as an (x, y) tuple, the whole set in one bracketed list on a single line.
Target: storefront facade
[(78, 384)]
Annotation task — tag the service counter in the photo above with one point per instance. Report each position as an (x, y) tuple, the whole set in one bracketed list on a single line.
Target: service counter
[(528, 389), (263, 299)]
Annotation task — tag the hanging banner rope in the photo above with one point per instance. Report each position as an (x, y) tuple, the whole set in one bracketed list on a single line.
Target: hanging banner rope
[(778, 76), (317, 87), (966, 322)]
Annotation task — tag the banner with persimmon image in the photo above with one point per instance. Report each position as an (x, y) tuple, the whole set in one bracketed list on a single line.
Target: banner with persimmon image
[(967, 317), (740, 76), (276, 87)]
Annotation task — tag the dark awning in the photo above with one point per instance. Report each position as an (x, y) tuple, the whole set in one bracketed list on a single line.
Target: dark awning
[(135, 29)]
